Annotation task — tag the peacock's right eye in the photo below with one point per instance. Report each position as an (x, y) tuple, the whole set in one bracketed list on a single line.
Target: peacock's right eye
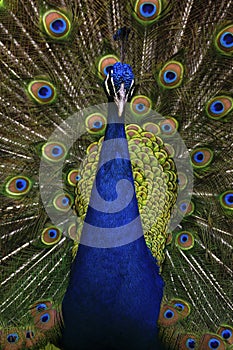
[(56, 24), (54, 151), (42, 91), (140, 105)]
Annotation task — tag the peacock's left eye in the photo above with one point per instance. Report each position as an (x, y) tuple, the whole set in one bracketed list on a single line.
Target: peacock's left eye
[(13, 338), (171, 75), (105, 64), (18, 185), (140, 105), (54, 151), (62, 202), (147, 11), (51, 235), (201, 157), (226, 199), (169, 127), (42, 91), (96, 123), (56, 24), (219, 107), (185, 240), (224, 40)]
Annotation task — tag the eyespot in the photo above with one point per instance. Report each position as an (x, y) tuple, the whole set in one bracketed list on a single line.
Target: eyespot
[(54, 151), (56, 24), (13, 338), (96, 123), (41, 307), (147, 12), (182, 306), (170, 150), (182, 180), (105, 64), (186, 208), (168, 316), (219, 107), (72, 232), (212, 341), (45, 318), (18, 186), (151, 127), (29, 334), (184, 240), (140, 105), (51, 235), (62, 202), (74, 177), (226, 200), (226, 332), (171, 75), (188, 341), (224, 40), (169, 127), (201, 157), (42, 91)]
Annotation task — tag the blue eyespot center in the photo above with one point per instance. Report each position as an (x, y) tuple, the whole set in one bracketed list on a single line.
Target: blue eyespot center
[(77, 177), (226, 40), (97, 124), (179, 306), (12, 338), (58, 26), (45, 92), (170, 76), (217, 107), (169, 314), (166, 127), (41, 307), (21, 184), (140, 107), (214, 343), (183, 238), (226, 334), (56, 151), (148, 9), (199, 157), (229, 198), (52, 233), (45, 318), (183, 207), (65, 201), (190, 343)]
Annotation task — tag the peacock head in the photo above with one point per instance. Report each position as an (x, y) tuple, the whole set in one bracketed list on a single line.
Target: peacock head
[(119, 85)]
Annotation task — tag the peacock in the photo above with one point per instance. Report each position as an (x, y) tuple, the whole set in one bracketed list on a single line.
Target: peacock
[(116, 174)]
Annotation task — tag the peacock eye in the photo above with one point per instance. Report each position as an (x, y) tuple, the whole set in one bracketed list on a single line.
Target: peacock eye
[(214, 343), (56, 24), (41, 307), (151, 127), (105, 64), (171, 75), (186, 208), (13, 338), (201, 157), (168, 127), (42, 91), (224, 40), (18, 185), (190, 343), (62, 202), (96, 123), (147, 11), (169, 314), (219, 107), (140, 105), (226, 334), (29, 334), (45, 318), (73, 177), (226, 200), (182, 180), (51, 236), (54, 151), (185, 240)]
